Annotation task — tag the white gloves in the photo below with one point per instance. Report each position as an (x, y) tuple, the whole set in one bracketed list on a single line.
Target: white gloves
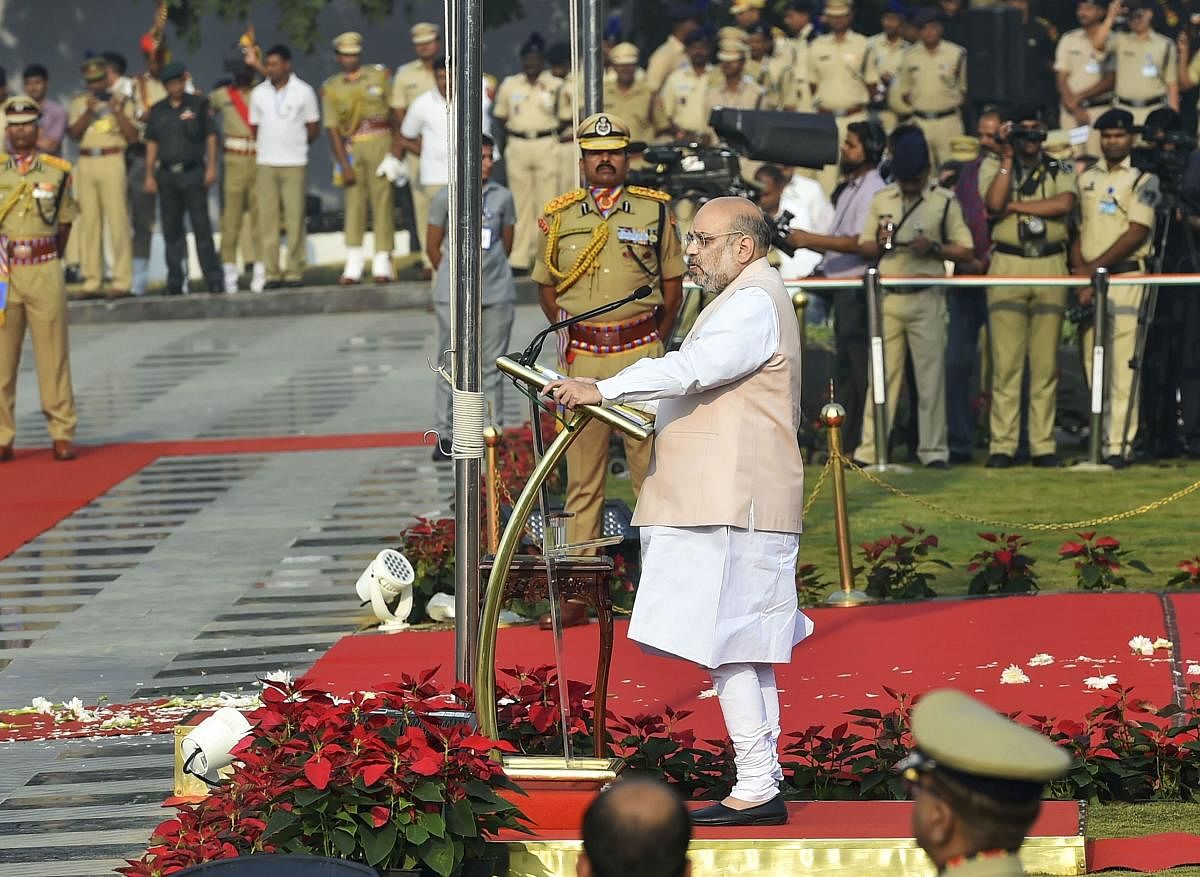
[(394, 169)]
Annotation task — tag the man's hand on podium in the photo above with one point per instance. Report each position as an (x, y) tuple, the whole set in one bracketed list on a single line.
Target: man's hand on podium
[(574, 392)]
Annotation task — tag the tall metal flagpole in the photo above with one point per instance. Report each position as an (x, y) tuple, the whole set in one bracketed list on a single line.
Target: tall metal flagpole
[(591, 53), (465, 26)]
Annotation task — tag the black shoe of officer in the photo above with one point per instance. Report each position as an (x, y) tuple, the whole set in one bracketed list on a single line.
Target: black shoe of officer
[(937, 464), (1047, 461), (1116, 462), (999, 461)]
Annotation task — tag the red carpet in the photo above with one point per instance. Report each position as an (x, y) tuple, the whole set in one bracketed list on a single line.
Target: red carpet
[(1158, 852), (846, 664), (36, 492)]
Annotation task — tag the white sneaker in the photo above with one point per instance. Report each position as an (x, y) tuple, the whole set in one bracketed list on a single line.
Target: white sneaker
[(258, 277), (355, 260), (381, 268), (231, 278)]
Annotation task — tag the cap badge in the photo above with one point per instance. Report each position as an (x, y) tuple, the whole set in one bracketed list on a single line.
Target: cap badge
[(603, 126)]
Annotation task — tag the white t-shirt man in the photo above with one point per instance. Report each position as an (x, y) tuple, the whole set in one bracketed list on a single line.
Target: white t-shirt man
[(282, 116), (811, 211), (429, 119)]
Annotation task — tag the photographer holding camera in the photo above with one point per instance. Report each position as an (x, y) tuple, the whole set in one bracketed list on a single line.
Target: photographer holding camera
[(1117, 204), (1029, 197)]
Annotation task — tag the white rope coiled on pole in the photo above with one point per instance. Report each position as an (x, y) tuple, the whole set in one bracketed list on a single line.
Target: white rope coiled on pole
[(469, 411)]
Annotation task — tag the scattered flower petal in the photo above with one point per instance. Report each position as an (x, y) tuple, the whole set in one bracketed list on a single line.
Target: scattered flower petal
[(1013, 675), (1100, 682), (1041, 660), (1163, 643), (1141, 645)]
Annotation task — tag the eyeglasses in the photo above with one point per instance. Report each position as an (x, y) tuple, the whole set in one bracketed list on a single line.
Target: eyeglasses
[(702, 240)]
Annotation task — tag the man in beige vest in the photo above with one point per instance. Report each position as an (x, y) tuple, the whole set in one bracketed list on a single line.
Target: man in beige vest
[(933, 84), (411, 80), (720, 510)]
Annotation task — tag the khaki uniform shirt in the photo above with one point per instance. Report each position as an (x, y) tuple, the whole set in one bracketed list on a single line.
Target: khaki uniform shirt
[(231, 121), (883, 58), (347, 103), (1111, 199), (528, 107), (147, 91), (774, 75), (641, 238), (1078, 59), (934, 81), (937, 215), (663, 61), (43, 197), (1053, 178), (411, 80), (746, 95), (681, 102), (103, 133), (570, 95), (635, 106), (992, 866), (839, 71), (1144, 67)]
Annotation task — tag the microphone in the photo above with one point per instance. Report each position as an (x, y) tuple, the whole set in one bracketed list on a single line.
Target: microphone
[(534, 350)]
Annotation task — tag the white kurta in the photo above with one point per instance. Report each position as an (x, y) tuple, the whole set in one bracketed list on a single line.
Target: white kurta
[(714, 595)]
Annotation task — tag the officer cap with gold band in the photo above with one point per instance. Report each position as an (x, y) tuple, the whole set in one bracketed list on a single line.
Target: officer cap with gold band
[(349, 43), (603, 131), (732, 50), (20, 110), (964, 148), (424, 32), (623, 53), (969, 743), (94, 69)]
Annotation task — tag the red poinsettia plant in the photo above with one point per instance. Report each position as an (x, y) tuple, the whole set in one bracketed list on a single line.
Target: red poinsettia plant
[(1002, 567), (897, 565), (1188, 575), (1098, 561), (371, 778)]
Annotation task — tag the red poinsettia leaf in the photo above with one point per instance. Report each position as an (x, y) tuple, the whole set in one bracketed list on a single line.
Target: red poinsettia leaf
[(427, 766), (372, 773), (479, 743), (542, 717), (380, 816), (318, 770), (1004, 557), (1070, 549), (1087, 537), (1107, 542), (990, 537)]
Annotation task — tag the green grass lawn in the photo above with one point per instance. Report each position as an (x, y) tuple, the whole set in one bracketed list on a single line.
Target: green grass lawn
[(1161, 538)]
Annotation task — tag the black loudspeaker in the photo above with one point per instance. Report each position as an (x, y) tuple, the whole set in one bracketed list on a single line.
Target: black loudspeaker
[(801, 139), (996, 56)]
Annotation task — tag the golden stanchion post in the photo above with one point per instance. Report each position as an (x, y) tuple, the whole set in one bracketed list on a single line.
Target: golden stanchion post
[(491, 437), (833, 416)]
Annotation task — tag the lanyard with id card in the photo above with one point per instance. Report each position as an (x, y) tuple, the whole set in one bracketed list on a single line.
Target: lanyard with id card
[(1108, 204)]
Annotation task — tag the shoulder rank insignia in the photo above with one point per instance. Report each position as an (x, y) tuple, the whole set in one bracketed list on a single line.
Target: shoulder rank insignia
[(645, 192), (564, 201), (55, 162)]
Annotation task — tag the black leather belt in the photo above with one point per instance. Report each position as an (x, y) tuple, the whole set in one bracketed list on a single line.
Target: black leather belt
[(1129, 266), (180, 166), (1034, 251), (1100, 100), (533, 135), (1141, 104), (938, 115)]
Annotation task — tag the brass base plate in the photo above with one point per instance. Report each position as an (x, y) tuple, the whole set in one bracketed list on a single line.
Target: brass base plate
[(555, 768)]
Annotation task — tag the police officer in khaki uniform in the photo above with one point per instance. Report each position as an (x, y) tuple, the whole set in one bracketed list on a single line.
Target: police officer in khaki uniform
[(913, 229), (103, 124), (672, 54), (680, 111), (884, 53), (36, 211), (976, 781), (933, 84), (527, 106), (1147, 63), (839, 77), (355, 109), (413, 79), (239, 208), (598, 244), (1030, 197), (1084, 75), (736, 89), (627, 95), (1116, 212), (774, 74)]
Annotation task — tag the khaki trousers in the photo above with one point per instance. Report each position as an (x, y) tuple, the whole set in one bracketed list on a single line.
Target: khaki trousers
[(938, 134), (1025, 321), (281, 189), (421, 200), (587, 457), (828, 175), (37, 298), (915, 321), (368, 188), (100, 186), (239, 209), (532, 178), (1124, 302)]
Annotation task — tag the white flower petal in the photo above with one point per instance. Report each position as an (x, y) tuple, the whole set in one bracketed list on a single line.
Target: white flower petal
[(1013, 675), (1163, 643), (1041, 660), (1141, 645)]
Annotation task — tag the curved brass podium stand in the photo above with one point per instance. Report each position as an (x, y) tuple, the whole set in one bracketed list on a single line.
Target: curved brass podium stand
[(630, 422)]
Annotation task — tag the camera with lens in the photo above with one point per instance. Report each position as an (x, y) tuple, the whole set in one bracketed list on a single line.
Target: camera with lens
[(1031, 229), (781, 227), (1166, 156), (689, 170)]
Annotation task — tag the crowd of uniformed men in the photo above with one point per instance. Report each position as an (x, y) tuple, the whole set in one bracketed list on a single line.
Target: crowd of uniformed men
[(1035, 203)]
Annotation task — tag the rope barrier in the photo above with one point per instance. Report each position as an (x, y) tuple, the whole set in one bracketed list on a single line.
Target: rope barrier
[(1017, 525)]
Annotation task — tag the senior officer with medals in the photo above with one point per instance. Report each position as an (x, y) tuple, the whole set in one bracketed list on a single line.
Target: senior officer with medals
[(976, 780), (597, 245), (36, 211), (720, 512), (360, 132)]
